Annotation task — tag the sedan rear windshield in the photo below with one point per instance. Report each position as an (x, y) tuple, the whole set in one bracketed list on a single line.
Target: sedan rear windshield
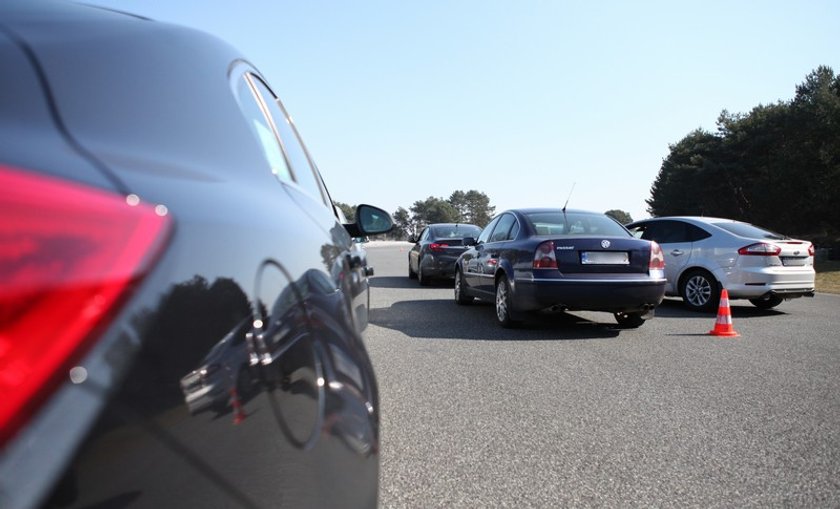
[(574, 223), (749, 231), (456, 231)]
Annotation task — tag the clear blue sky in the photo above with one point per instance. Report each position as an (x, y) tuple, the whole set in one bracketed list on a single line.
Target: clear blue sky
[(399, 101)]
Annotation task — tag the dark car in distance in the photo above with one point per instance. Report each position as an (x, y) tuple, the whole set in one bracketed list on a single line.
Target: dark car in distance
[(436, 249), (564, 260), (164, 233)]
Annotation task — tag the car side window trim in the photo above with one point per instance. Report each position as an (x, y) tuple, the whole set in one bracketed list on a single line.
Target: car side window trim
[(254, 82), (504, 228), (254, 116), (485, 234), (300, 161)]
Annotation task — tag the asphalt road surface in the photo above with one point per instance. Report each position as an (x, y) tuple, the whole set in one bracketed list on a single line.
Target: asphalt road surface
[(570, 411)]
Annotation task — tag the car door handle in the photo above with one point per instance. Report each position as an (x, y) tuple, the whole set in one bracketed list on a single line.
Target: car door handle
[(677, 252)]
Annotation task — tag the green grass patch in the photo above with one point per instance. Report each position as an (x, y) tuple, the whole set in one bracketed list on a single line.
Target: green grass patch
[(828, 275)]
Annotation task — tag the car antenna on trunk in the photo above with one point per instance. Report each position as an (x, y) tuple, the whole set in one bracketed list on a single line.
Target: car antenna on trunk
[(569, 198)]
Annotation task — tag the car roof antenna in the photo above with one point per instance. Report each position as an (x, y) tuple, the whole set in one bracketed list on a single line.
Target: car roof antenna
[(569, 198)]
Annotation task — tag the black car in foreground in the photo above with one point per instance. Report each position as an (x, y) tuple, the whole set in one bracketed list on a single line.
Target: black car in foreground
[(436, 249), (563, 260), (164, 234)]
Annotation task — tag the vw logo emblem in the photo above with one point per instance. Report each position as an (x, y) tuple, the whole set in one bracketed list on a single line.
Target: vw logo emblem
[(605, 244)]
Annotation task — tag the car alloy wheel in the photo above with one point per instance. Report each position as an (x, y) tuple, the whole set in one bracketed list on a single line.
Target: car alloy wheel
[(411, 273), (422, 279), (503, 303), (699, 291), (460, 297)]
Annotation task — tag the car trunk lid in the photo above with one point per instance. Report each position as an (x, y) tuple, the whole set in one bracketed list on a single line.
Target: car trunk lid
[(794, 253), (602, 255), (452, 247)]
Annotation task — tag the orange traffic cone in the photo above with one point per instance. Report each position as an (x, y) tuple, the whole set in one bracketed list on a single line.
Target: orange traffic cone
[(723, 324), (238, 413)]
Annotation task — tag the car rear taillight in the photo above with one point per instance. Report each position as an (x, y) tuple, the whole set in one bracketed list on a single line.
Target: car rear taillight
[(544, 257), (69, 254), (437, 248), (811, 250), (760, 249), (657, 258)]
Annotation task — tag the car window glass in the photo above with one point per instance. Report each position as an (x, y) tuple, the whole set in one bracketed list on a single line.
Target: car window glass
[(514, 231), (556, 223), (639, 231), (749, 231), (695, 233), (455, 231), (302, 171), (425, 234), (666, 232), (262, 131), (502, 229), (485, 234)]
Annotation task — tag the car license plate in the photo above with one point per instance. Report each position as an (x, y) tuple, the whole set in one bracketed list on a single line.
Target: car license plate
[(794, 261), (604, 258)]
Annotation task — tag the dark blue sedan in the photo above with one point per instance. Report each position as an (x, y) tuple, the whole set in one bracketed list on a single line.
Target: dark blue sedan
[(562, 260)]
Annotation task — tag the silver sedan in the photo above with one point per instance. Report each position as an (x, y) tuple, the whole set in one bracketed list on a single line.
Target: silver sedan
[(705, 254)]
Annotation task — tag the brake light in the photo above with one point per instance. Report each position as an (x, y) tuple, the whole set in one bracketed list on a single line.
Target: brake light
[(68, 256), (811, 250), (657, 258), (760, 249), (544, 257), (437, 248)]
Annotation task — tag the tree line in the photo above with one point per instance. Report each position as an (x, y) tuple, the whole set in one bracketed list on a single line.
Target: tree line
[(777, 166), (465, 207), (471, 207)]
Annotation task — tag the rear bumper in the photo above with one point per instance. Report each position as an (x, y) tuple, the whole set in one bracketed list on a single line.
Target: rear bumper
[(440, 266), (755, 283), (782, 293), (616, 295)]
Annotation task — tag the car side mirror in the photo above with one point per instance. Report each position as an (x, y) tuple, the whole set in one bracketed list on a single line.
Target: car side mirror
[(370, 220), (470, 241)]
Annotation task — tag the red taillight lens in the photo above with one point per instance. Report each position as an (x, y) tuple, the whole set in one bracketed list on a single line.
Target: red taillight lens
[(544, 257), (811, 250), (760, 249), (437, 248), (68, 255), (657, 258)]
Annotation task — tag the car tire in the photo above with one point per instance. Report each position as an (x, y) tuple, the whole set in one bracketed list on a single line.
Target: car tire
[(767, 302), (422, 279), (503, 303), (461, 298), (700, 290), (411, 273), (629, 320)]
